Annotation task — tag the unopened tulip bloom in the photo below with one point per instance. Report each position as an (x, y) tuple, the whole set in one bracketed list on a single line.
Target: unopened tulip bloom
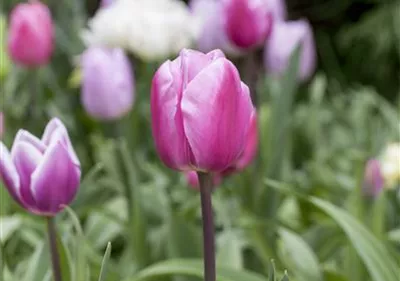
[(30, 35), (373, 178), (107, 83), (212, 35), (247, 22), (42, 175), (284, 39), (200, 112)]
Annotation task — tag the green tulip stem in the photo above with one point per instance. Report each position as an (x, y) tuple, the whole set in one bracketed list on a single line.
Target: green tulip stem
[(206, 184), (55, 258)]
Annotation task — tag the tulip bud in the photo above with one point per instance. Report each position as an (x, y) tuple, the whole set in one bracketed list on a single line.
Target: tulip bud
[(107, 83), (284, 39), (193, 179), (247, 22), (212, 35), (30, 36), (42, 175), (373, 179), (200, 112)]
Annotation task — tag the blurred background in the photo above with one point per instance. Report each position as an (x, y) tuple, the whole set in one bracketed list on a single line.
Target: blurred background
[(310, 200)]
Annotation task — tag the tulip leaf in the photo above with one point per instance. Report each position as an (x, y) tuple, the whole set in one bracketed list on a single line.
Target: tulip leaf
[(194, 268), (80, 268), (379, 262), (39, 263), (299, 256), (104, 264)]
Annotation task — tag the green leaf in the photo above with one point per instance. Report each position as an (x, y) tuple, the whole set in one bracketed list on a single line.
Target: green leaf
[(192, 268), (80, 268), (39, 263), (8, 226), (298, 256), (104, 264), (230, 250), (379, 262), (271, 271)]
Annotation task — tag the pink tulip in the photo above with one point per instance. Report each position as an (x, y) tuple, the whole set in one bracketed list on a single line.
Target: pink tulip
[(284, 39), (213, 34), (250, 150), (278, 9), (200, 112), (30, 36), (247, 22), (373, 178), (193, 179), (107, 83), (42, 175)]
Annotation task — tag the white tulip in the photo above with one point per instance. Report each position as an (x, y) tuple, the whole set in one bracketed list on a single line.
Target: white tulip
[(391, 164), (150, 29)]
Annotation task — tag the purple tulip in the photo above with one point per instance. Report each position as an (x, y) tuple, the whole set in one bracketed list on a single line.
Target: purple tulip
[(247, 22), (30, 36), (373, 178), (106, 3), (284, 39), (107, 86), (278, 9), (200, 112), (42, 175), (212, 35)]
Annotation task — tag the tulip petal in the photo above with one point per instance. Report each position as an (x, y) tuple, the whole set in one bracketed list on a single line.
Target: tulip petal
[(56, 131), (55, 181), (25, 136), (26, 158), (167, 124), (216, 115), (9, 174)]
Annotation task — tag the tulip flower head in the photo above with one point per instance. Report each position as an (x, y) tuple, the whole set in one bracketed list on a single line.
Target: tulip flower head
[(247, 22), (284, 39), (213, 34), (373, 178), (200, 111), (30, 35), (107, 84), (151, 30), (42, 175)]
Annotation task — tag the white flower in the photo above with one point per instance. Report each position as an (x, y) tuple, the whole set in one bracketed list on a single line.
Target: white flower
[(390, 162), (150, 29)]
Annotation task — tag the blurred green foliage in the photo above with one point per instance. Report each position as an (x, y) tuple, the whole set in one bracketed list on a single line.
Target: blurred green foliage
[(300, 203)]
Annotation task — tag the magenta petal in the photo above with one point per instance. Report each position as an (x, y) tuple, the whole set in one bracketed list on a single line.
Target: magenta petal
[(9, 174), (192, 63), (250, 149), (55, 181), (26, 158), (25, 136), (167, 124), (55, 131), (216, 115)]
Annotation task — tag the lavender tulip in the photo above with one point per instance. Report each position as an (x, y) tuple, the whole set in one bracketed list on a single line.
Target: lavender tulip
[(373, 178), (201, 112), (108, 86), (30, 36), (42, 175), (284, 39), (247, 22)]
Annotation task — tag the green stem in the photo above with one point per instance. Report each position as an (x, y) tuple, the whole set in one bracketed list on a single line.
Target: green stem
[(55, 258), (206, 183)]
